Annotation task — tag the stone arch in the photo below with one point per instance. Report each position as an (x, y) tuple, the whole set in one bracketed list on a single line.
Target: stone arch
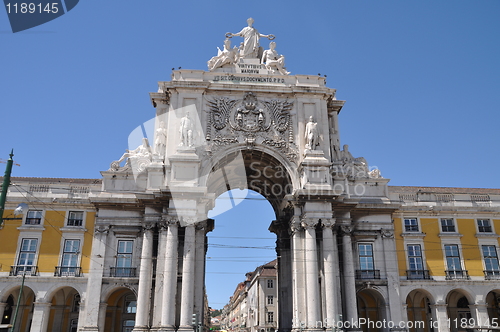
[(121, 307), (493, 304), (372, 308), (25, 312), (458, 301), (64, 309), (418, 307), (259, 169)]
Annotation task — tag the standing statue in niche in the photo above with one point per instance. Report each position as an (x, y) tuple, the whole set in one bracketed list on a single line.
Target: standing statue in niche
[(161, 140), (273, 61), (311, 134), (251, 40), (227, 56), (186, 131)]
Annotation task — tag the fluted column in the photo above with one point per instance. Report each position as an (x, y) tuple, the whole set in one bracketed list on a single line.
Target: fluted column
[(145, 278), (331, 268), (188, 270), (40, 320), (170, 275), (349, 279), (92, 296), (311, 268)]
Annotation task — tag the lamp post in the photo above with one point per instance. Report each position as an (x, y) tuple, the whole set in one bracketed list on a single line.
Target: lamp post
[(5, 185)]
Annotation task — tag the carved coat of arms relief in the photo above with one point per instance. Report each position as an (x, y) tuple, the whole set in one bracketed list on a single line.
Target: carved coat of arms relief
[(251, 121)]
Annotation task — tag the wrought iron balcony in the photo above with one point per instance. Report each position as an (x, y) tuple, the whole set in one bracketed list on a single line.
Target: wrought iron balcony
[(123, 272), (457, 274), (491, 274), (367, 274), (68, 271), (19, 270), (418, 275)]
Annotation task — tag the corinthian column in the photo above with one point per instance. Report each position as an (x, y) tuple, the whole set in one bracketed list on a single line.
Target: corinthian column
[(145, 278), (298, 282), (188, 270), (311, 266), (349, 280), (331, 268), (170, 276)]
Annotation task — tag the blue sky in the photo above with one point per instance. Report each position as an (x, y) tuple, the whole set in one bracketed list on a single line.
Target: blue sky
[(419, 77)]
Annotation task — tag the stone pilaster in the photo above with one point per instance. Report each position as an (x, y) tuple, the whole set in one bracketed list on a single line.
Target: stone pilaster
[(160, 267), (40, 320), (145, 276), (188, 271), (199, 283), (298, 284), (311, 268), (479, 312), (103, 306), (170, 275), (440, 317), (331, 268)]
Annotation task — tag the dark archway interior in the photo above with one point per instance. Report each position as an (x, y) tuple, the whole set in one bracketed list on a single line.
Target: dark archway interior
[(251, 169)]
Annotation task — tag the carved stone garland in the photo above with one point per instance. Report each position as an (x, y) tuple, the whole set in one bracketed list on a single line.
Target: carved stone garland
[(251, 121)]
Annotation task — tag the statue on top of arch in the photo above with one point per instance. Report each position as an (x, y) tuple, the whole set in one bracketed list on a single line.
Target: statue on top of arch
[(249, 49)]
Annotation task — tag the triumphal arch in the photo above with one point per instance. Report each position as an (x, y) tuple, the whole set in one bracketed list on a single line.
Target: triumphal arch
[(246, 122)]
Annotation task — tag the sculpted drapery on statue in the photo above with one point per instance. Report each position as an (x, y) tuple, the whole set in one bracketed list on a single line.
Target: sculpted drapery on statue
[(251, 38), (227, 56), (273, 60), (186, 131), (311, 134)]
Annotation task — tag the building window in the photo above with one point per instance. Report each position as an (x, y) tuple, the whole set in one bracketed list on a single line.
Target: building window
[(270, 283), (484, 226), (75, 218), (415, 263), (411, 225), (124, 259), (26, 260), (447, 225), (76, 303), (270, 317), (453, 263), (491, 261), (128, 325), (69, 261), (365, 256), (130, 304), (73, 326), (34, 217), (270, 299)]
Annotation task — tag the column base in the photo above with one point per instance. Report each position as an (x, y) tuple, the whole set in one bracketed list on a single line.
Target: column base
[(164, 329), (186, 328), (89, 329), (141, 329)]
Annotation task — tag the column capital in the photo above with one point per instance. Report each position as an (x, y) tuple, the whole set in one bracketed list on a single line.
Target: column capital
[(102, 229), (438, 306), (148, 225), (295, 226), (387, 233), (200, 225), (170, 220), (309, 222), (328, 222), (42, 304), (345, 230)]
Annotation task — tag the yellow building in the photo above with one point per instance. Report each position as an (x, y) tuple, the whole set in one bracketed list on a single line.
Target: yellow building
[(50, 244), (447, 251)]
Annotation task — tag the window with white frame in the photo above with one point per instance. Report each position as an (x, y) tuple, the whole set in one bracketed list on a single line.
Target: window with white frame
[(447, 225), (75, 218), (484, 226), (124, 258), (270, 299), (415, 261), (34, 217), (452, 257), (69, 261), (490, 259), (270, 283), (270, 317), (27, 255), (365, 256), (411, 224)]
